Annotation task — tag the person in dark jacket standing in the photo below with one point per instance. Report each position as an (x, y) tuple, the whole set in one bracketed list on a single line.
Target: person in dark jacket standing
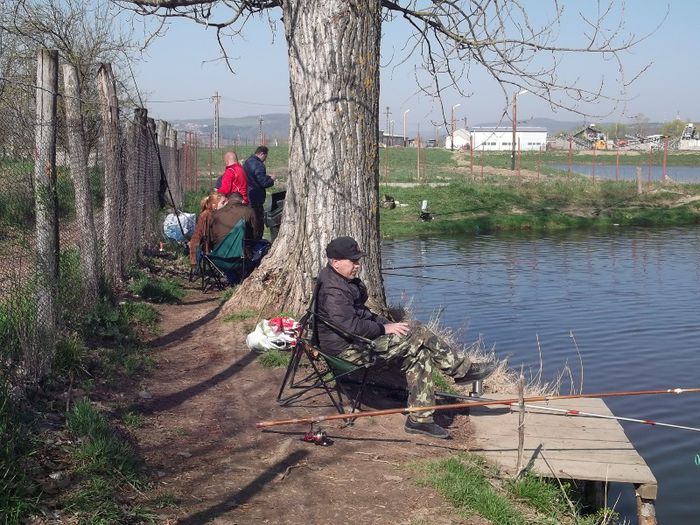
[(258, 181), (412, 347)]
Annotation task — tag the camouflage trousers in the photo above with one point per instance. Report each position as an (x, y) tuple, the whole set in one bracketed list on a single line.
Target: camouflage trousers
[(416, 354)]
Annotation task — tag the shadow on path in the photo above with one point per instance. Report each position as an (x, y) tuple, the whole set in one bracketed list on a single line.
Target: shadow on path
[(185, 331), (247, 492), (163, 403)]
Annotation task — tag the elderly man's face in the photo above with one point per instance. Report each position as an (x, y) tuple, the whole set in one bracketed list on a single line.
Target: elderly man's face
[(348, 268)]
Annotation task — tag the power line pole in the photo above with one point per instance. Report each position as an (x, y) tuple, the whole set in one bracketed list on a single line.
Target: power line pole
[(388, 126), (260, 132), (465, 122), (217, 141)]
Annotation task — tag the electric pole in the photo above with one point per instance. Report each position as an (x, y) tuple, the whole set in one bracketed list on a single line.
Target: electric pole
[(260, 132), (217, 135), (388, 131)]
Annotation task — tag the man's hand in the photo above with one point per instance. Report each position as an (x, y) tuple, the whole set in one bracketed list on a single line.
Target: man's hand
[(399, 329), (272, 176)]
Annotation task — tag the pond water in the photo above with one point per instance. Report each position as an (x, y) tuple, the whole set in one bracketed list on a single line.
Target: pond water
[(629, 172), (629, 300)]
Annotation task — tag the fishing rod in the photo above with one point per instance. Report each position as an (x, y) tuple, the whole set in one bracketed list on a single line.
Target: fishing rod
[(452, 406), (571, 412)]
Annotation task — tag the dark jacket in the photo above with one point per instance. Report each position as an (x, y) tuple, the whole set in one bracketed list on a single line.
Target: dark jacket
[(258, 179), (342, 301), (224, 219)]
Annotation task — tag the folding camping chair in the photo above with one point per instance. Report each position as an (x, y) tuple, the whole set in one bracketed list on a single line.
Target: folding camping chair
[(328, 372), (226, 262)]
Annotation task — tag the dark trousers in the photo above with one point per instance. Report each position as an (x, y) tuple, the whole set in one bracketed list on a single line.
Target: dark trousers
[(259, 225)]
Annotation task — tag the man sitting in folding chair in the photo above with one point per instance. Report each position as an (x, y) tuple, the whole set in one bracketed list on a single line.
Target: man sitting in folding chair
[(413, 347)]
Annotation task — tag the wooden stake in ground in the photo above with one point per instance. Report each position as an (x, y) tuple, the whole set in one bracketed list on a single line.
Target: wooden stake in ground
[(521, 423)]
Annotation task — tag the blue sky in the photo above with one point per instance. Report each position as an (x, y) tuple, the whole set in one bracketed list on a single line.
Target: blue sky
[(183, 65)]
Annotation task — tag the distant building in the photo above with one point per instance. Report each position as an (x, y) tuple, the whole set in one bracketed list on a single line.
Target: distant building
[(390, 140), (690, 139), (501, 138), (461, 137)]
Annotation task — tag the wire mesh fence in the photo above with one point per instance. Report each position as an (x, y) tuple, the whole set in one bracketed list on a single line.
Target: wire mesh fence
[(82, 186)]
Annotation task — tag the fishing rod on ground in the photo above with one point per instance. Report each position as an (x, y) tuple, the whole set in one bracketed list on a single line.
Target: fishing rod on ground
[(454, 406), (571, 412)]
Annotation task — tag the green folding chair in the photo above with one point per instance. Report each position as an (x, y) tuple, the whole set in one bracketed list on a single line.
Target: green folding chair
[(327, 372), (226, 263)]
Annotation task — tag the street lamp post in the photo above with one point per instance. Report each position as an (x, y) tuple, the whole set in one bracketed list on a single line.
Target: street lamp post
[(515, 125), (404, 127), (452, 141)]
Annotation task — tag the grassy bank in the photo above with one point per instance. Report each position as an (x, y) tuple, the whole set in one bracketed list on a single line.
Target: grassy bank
[(504, 204), (469, 484), (64, 456)]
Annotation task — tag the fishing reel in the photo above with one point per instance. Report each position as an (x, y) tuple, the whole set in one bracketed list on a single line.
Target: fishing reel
[(317, 437)]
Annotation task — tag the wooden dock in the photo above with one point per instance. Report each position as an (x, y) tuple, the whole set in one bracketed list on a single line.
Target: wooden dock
[(566, 446)]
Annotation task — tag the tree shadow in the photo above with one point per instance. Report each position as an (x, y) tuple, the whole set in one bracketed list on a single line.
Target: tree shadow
[(184, 332), (247, 492), (160, 404)]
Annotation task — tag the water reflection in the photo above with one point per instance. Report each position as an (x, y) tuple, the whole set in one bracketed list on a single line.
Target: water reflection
[(630, 297)]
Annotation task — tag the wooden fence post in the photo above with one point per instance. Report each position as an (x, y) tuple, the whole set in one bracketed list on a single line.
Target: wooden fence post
[(89, 261), (46, 210), (112, 175)]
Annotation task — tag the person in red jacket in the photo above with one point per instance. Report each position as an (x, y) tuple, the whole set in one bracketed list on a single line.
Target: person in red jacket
[(234, 178)]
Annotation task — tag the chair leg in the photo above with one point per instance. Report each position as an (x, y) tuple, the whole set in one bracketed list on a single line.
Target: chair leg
[(289, 374)]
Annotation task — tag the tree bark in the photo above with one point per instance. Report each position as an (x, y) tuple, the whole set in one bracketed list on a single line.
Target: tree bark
[(46, 211), (333, 177), (112, 173), (89, 261)]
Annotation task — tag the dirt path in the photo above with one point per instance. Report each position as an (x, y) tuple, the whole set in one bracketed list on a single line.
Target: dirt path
[(201, 446)]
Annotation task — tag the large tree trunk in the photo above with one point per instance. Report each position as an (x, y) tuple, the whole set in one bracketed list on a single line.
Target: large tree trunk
[(333, 151)]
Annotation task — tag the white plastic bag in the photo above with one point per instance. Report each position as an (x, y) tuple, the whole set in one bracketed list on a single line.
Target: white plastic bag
[(278, 333), (171, 227)]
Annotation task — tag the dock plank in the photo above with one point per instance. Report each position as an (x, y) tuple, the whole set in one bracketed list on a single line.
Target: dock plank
[(576, 447)]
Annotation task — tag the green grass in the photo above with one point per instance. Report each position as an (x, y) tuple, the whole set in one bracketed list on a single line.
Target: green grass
[(101, 449), (240, 316), (17, 491), (503, 204), (156, 290), (540, 494), (463, 482), (226, 295), (133, 419), (275, 359), (143, 315), (441, 383), (104, 467)]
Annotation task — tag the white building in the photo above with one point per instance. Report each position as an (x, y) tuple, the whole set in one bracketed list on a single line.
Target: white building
[(501, 138), (461, 137)]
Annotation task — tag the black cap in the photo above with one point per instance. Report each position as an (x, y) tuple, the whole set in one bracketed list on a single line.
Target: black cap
[(344, 248)]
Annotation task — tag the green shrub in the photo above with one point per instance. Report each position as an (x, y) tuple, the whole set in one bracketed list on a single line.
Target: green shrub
[(70, 354), (107, 321)]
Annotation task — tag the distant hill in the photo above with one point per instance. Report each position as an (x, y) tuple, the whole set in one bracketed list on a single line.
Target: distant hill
[(276, 126), (242, 129)]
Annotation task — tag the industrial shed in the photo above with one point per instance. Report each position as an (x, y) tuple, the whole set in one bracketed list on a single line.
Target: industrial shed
[(501, 138)]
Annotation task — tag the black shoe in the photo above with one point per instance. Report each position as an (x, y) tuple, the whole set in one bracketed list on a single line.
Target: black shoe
[(429, 429), (478, 371)]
